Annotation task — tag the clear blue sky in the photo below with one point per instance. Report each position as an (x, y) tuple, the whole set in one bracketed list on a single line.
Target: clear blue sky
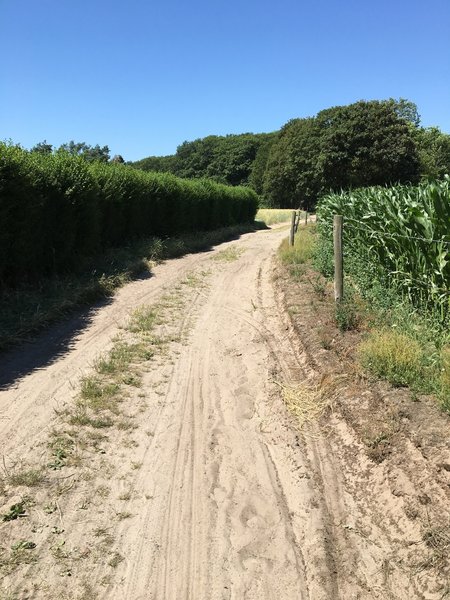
[(143, 76)]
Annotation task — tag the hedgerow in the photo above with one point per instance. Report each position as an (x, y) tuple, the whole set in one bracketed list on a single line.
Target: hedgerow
[(57, 209)]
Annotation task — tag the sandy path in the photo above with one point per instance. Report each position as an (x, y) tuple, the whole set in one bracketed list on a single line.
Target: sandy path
[(227, 501), (220, 523)]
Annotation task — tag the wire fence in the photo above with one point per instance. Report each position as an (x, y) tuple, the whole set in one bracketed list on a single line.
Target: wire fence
[(404, 278), (394, 235)]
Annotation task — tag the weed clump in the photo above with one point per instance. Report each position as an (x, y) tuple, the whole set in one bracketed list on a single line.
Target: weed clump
[(393, 356), (346, 313)]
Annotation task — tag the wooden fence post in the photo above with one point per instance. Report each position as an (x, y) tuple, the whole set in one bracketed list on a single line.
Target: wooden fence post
[(338, 258), (291, 235), (306, 218), (297, 219)]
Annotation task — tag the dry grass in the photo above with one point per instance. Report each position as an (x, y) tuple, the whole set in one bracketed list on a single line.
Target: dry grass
[(308, 402), (271, 216), (437, 539), (27, 477), (229, 255)]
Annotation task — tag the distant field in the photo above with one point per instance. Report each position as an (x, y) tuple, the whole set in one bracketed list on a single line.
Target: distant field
[(270, 216)]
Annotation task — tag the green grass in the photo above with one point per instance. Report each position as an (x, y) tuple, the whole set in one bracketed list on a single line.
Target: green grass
[(143, 320), (296, 256)]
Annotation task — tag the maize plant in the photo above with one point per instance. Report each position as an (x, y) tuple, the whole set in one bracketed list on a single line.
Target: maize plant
[(403, 231)]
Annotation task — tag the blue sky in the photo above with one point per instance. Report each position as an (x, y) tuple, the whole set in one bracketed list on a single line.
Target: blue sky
[(143, 76)]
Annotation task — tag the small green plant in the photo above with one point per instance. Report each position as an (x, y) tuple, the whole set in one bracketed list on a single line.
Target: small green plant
[(319, 285), (23, 545), (99, 394), (115, 560), (61, 447), (82, 418), (16, 511)]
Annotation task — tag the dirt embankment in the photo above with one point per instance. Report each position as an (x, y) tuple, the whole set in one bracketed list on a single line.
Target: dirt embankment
[(200, 485)]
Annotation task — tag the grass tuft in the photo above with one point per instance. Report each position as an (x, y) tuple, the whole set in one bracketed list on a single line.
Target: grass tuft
[(143, 320), (393, 356), (27, 478), (99, 394)]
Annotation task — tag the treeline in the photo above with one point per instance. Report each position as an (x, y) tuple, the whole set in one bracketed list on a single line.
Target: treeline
[(90, 153), (57, 208), (362, 144), (226, 159)]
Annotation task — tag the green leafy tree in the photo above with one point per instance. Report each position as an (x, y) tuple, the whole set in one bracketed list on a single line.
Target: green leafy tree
[(89, 153), (259, 165), (225, 159), (362, 144), (406, 110), (161, 164), (434, 152), (366, 143), (42, 148), (293, 178)]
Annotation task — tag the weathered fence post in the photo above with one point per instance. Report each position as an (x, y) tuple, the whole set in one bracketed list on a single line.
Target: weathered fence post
[(338, 258), (291, 235), (297, 219), (306, 218)]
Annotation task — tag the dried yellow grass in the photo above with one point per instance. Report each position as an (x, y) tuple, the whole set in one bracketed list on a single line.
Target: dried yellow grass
[(307, 402)]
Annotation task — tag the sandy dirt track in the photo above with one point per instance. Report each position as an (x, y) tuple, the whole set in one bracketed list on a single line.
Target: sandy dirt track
[(226, 500)]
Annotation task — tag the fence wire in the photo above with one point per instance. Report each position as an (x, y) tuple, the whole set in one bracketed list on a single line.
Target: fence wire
[(395, 235)]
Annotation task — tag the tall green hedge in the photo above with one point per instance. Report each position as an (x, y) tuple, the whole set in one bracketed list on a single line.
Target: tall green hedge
[(56, 209)]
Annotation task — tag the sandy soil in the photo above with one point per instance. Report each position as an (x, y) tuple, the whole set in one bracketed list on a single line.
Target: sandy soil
[(212, 492)]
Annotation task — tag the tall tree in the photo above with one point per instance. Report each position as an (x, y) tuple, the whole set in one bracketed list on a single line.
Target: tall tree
[(89, 153), (42, 148), (434, 152), (365, 143)]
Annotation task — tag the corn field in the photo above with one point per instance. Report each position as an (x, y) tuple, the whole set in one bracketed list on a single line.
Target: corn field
[(404, 231)]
